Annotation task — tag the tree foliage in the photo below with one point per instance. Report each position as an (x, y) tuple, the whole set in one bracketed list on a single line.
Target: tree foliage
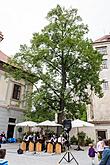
[(62, 65)]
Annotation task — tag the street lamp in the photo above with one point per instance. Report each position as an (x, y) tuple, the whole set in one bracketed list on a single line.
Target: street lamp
[(1, 36)]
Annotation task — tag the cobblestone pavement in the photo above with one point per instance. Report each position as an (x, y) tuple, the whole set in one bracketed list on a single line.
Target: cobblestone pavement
[(44, 158)]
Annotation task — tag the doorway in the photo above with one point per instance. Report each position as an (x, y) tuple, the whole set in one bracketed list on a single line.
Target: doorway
[(10, 131), (102, 134)]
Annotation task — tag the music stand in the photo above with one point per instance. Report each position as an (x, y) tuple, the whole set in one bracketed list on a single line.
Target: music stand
[(70, 156)]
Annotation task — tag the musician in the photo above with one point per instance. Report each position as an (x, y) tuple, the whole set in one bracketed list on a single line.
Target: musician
[(53, 139), (27, 138), (43, 142), (61, 140), (35, 139)]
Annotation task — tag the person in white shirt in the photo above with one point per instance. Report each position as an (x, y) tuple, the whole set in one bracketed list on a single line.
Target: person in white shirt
[(100, 147), (61, 139), (53, 139)]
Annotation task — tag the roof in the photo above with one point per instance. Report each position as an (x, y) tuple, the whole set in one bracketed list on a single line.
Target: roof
[(105, 38), (3, 57)]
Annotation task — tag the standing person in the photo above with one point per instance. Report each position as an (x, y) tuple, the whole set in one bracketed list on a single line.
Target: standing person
[(100, 147), (106, 154), (91, 153), (2, 157)]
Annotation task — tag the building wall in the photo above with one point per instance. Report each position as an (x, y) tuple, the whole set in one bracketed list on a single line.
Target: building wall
[(101, 106), (5, 114), (9, 107), (91, 132)]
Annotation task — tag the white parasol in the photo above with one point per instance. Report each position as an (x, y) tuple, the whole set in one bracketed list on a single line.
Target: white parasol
[(78, 124), (48, 123), (26, 123)]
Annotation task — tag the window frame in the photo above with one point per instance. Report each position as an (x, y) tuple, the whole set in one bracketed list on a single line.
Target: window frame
[(105, 85), (102, 50), (104, 64), (16, 91)]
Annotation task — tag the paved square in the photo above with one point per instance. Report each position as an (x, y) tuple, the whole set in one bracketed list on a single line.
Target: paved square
[(44, 158)]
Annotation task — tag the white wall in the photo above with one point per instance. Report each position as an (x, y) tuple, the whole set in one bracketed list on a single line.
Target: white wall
[(10, 108), (5, 114)]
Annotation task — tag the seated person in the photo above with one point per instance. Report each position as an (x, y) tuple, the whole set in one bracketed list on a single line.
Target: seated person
[(30, 137), (61, 140), (0, 139), (34, 138), (43, 142), (54, 141), (3, 140), (3, 137), (25, 137), (26, 140)]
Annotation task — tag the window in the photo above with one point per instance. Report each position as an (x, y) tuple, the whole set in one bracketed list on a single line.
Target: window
[(12, 120), (102, 50), (104, 64), (105, 85), (102, 134), (16, 92)]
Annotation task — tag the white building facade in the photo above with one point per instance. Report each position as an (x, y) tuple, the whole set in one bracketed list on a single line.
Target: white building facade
[(99, 111), (12, 103)]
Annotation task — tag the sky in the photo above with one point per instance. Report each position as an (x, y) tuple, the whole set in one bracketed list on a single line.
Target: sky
[(19, 19)]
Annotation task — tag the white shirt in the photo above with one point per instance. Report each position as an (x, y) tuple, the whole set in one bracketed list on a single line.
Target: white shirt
[(100, 146), (61, 140)]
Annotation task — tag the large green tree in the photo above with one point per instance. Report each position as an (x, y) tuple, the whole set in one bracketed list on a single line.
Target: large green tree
[(61, 64)]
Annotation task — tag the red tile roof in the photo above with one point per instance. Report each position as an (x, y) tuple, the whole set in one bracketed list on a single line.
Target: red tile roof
[(103, 39), (3, 57)]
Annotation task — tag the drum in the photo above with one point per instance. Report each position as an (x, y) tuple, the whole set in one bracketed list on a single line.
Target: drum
[(23, 146), (49, 148), (58, 148), (31, 146), (38, 147)]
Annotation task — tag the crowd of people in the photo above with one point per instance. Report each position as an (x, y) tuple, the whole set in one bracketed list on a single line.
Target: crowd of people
[(45, 139), (102, 150)]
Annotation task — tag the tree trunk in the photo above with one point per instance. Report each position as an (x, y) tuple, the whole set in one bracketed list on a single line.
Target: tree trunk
[(61, 114)]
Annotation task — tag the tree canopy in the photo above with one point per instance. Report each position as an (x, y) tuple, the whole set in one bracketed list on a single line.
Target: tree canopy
[(61, 64)]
